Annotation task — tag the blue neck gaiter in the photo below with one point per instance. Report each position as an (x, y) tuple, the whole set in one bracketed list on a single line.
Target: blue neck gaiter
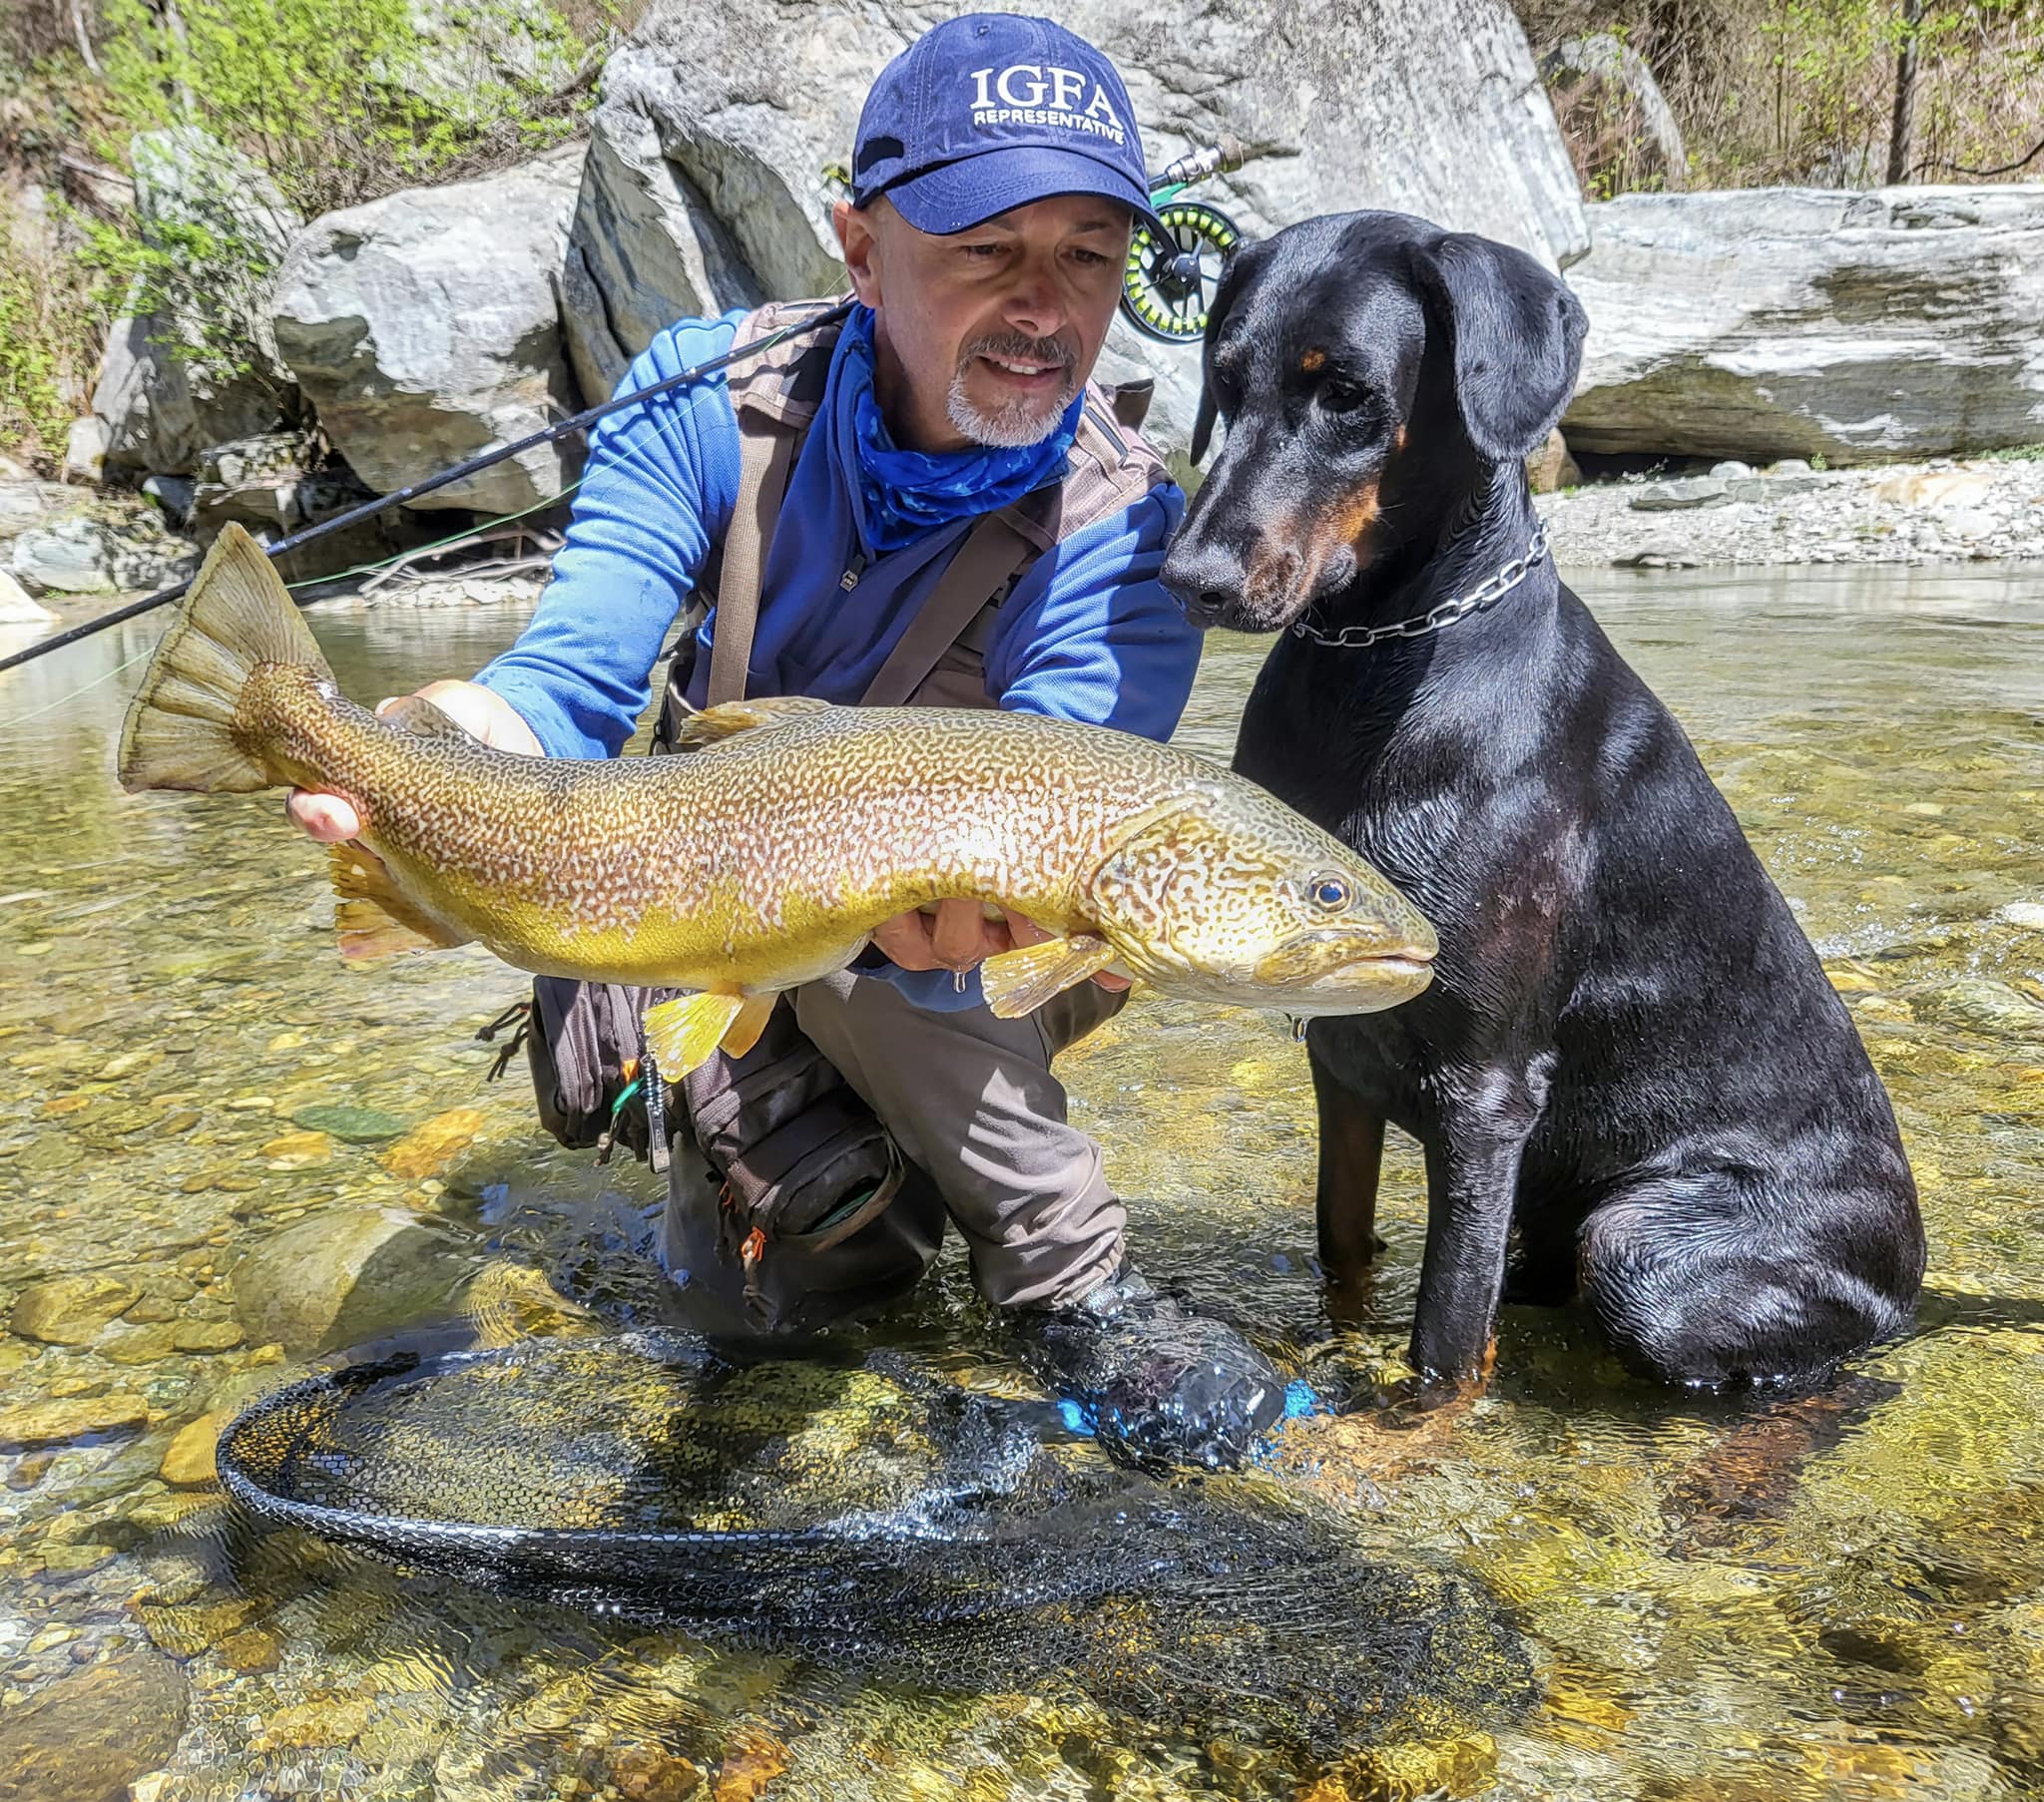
[(903, 494)]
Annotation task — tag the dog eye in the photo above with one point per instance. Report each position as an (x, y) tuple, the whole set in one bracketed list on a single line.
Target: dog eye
[(1343, 397), (1328, 893)]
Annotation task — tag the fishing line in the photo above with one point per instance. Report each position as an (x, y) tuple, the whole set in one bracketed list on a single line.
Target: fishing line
[(660, 423), (369, 509), (362, 569)]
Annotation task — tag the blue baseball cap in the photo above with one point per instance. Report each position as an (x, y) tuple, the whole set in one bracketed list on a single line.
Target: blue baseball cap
[(992, 111)]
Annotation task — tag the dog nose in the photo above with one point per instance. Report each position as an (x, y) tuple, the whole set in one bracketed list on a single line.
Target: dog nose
[(1205, 578)]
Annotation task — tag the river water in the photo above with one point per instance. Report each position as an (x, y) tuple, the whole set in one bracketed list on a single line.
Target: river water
[(1829, 1597)]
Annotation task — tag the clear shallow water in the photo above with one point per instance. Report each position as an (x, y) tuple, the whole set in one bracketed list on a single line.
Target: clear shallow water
[(1841, 1596)]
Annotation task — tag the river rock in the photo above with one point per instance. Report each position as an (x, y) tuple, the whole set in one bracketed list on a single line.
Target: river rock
[(76, 1416), (1428, 105), (86, 1738), (169, 382), (644, 249), (1936, 488), (1551, 467), (1980, 1004), (1690, 491), (1784, 321), (70, 558), (348, 1122), (188, 1460), (85, 450), (341, 1276), (70, 1310), (425, 328), (15, 608)]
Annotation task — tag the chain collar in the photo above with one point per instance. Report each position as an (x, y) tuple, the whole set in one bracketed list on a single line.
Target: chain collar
[(1354, 638)]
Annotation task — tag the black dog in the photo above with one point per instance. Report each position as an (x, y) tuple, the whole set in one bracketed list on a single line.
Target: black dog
[(1630, 1057)]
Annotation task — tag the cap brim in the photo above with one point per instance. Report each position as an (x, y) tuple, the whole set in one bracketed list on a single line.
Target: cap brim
[(955, 197)]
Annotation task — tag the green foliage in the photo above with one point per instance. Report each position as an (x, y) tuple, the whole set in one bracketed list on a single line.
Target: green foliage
[(282, 110), (340, 101), (32, 405), (49, 340), (1802, 91)]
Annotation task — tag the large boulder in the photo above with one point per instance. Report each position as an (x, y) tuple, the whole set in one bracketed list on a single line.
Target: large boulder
[(200, 365), (1425, 106), (644, 251), (345, 1275), (1791, 322), (423, 328)]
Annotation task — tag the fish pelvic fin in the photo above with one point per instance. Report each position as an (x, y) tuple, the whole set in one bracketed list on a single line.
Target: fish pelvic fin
[(415, 714), (1020, 981), (374, 918), (684, 1032), (712, 725), (183, 729), (743, 1032)]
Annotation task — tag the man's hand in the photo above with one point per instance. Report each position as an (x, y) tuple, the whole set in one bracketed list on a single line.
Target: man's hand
[(959, 936), (331, 818)]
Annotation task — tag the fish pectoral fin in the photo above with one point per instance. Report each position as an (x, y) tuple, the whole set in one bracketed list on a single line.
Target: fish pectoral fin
[(680, 1034), (712, 725), (1020, 981), (417, 714), (374, 918), (751, 1021)]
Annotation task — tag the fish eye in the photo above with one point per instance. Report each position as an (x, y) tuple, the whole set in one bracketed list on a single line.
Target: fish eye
[(1328, 893)]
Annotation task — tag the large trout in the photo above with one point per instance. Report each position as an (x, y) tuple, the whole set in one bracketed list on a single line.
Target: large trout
[(764, 857)]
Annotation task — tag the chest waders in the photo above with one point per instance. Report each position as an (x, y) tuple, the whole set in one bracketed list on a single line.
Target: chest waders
[(790, 1204)]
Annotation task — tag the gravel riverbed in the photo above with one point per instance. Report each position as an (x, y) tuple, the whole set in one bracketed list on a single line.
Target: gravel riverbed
[(1990, 510)]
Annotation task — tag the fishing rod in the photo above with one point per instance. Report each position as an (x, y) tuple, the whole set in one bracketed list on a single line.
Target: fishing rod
[(369, 509)]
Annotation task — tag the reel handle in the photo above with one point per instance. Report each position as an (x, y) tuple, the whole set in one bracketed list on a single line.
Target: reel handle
[(1196, 166)]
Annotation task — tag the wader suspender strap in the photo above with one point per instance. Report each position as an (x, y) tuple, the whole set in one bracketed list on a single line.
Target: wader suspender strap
[(766, 459), (993, 553), (979, 568)]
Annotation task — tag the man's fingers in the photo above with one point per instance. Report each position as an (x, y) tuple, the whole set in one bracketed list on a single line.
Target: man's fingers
[(327, 818), (958, 939), (905, 940)]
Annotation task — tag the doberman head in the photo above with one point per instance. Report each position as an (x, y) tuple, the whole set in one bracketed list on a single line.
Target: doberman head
[(1372, 371)]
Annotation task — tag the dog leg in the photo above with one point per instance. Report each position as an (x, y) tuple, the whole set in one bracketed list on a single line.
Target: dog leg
[(1345, 1200), (1471, 1182)]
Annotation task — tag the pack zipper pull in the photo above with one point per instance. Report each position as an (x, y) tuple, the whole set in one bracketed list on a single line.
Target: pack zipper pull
[(852, 570)]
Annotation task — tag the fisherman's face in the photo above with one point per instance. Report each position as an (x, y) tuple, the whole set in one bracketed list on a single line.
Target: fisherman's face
[(984, 336)]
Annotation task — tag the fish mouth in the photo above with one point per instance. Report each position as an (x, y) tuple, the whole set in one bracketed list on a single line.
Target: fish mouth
[(1325, 969)]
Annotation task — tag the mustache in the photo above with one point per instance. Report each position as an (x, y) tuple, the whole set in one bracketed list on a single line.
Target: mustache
[(1018, 348)]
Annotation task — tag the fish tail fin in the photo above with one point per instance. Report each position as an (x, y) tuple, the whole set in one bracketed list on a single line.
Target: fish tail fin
[(184, 728)]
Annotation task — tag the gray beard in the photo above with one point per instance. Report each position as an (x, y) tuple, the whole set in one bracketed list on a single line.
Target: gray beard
[(1013, 426)]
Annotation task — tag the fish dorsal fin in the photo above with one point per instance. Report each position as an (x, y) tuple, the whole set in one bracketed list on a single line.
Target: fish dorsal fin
[(417, 714), (712, 726), (374, 917), (1020, 981)]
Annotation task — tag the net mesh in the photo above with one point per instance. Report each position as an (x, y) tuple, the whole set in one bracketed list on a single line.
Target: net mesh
[(873, 1516)]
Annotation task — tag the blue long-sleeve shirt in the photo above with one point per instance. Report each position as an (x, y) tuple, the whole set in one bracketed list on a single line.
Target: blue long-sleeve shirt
[(1088, 633)]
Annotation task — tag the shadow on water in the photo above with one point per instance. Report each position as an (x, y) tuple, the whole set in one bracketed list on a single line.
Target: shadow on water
[(1838, 1595)]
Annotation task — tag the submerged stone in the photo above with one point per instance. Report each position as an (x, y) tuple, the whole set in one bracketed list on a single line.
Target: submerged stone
[(347, 1123), (70, 1310), (343, 1275), (87, 1737)]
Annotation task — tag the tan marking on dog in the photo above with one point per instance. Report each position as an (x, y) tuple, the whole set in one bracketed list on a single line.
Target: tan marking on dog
[(1314, 362)]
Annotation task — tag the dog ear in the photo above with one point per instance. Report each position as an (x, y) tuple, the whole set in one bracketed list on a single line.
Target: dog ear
[(1223, 299), (1517, 335)]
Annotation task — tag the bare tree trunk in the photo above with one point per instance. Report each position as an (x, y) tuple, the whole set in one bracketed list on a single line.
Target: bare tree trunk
[(1902, 134)]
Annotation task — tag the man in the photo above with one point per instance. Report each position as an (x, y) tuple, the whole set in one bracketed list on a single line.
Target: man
[(941, 459)]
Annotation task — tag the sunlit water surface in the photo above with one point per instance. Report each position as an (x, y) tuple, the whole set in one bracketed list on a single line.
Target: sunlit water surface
[(1837, 1596)]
